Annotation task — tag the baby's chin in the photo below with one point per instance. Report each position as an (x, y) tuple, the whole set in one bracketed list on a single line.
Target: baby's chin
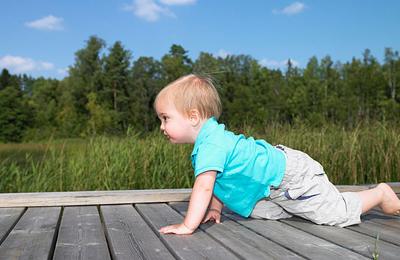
[(174, 141), (171, 140)]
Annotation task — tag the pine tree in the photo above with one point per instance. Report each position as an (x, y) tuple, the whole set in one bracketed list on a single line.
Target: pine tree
[(115, 93)]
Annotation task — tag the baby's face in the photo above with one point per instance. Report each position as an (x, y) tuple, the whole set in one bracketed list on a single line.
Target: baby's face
[(175, 126)]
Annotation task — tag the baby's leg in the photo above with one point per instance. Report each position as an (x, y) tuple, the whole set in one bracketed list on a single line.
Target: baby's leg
[(268, 210), (382, 196)]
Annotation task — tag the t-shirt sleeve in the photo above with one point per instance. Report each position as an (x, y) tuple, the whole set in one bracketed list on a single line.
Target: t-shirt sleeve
[(210, 157)]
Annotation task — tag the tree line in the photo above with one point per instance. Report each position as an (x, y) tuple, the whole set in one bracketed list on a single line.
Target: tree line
[(107, 92)]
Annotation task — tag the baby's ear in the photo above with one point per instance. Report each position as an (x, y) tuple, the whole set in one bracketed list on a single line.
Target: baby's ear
[(194, 117)]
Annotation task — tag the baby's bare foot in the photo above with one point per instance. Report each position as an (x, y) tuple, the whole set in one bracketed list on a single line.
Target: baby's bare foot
[(390, 202)]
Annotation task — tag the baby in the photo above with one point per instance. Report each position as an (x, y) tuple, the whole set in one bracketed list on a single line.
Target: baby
[(251, 177)]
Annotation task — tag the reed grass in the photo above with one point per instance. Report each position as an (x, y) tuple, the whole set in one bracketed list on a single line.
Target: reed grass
[(361, 155)]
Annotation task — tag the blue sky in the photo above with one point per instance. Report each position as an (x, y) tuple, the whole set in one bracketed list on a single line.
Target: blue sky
[(40, 37)]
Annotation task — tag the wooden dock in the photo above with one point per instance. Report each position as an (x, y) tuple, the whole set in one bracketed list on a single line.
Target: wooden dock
[(124, 224)]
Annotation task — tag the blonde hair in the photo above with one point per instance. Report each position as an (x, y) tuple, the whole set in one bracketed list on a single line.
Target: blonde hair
[(193, 92)]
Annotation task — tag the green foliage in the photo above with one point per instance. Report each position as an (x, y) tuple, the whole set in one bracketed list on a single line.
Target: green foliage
[(176, 63), (107, 92), (115, 93), (86, 74), (146, 82), (99, 117), (14, 114)]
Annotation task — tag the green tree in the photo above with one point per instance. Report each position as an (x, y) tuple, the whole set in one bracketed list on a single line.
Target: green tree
[(5, 78), (146, 82), (391, 73), (176, 63), (86, 73), (100, 118), (69, 121), (391, 70), (14, 114), (297, 102), (44, 100), (207, 64), (374, 87), (116, 90), (316, 94)]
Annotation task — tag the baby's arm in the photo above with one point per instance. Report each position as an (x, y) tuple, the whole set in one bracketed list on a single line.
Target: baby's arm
[(199, 201)]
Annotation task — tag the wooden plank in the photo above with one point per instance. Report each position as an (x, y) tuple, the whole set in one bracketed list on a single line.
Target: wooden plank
[(33, 236), (83, 198), (346, 188), (196, 246), (81, 235), (381, 218), (346, 238), (239, 239), (373, 229), (8, 217), (298, 241), (129, 236)]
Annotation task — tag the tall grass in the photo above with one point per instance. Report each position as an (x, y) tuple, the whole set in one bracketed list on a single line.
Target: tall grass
[(361, 155), (365, 154)]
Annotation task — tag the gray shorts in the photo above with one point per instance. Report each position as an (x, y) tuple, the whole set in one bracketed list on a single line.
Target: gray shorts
[(306, 192)]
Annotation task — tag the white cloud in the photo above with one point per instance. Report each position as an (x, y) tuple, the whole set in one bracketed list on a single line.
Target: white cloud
[(291, 9), (222, 53), (148, 10), (17, 64), (178, 2), (63, 72), (277, 64), (48, 23)]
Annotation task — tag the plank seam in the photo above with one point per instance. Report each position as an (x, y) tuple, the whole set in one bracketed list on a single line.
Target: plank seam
[(165, 243), (105, 232), (55, 236), (12, 226), (370, 235), (378, 212), (212, 237), (360, 253), (268, 238)]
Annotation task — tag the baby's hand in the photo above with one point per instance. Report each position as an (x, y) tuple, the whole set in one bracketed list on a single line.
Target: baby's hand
[(213, 214), (179, 229)]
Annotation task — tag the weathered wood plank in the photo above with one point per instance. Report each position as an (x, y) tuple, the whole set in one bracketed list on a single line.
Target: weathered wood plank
[(373, 229), (239, 239), (381, 218), (196, 246), (298, 241), (8, 217), (81, 235), (84, 198), (347, 238), (345, 188), (33, 236), (129, 236)]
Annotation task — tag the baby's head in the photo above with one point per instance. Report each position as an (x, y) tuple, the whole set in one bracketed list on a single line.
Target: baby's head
[(192, 92)]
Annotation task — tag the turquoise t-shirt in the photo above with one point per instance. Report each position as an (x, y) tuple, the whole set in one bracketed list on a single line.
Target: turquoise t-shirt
[(246, 168)]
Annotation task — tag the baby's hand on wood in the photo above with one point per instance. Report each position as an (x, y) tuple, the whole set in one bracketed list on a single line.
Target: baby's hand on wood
[(179, 229), (213, 214)]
